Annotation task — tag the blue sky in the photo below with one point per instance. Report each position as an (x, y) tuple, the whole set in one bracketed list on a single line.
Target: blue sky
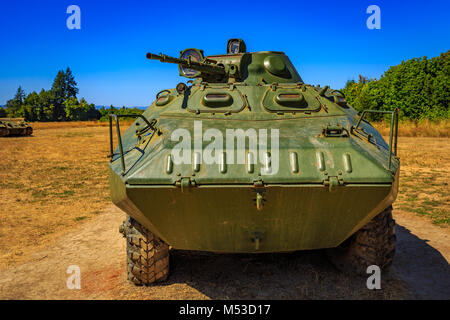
[(327, 41)]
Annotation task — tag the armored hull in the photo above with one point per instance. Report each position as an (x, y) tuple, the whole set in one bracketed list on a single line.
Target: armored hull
[(250, 159), (216, 210)]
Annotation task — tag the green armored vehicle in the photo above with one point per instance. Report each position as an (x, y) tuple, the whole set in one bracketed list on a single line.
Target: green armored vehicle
[(247, 158), (14, 127)]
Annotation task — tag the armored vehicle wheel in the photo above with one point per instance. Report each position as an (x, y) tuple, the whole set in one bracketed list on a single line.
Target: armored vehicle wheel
[(374, 244), (147, 255), (4, 132)]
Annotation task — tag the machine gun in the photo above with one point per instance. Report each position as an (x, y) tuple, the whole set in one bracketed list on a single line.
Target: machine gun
[(191, 63)]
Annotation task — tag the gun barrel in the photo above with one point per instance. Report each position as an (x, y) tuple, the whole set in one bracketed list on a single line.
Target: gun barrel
[(153, 56), (188, 63)]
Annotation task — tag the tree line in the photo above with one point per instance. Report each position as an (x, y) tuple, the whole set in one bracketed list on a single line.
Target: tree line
[(60, 103), (419, 88)]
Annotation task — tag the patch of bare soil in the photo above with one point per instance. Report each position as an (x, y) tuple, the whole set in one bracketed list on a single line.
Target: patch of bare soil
[(423, 256), (420, 270)]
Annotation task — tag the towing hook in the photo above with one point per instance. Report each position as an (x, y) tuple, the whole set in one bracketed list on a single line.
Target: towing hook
[(259, 201), (256, 240)]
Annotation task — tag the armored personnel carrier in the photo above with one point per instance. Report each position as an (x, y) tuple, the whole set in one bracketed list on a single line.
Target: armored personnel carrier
[(14, 127), (247, 158)]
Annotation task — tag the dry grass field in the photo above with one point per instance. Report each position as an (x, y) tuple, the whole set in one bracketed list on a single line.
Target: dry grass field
[(423, 128), (424, 186), (56, 181), (49, 183)]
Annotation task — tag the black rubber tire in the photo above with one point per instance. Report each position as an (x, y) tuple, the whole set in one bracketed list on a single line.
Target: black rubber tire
[(147, 255), (374, 244), (4, 132)]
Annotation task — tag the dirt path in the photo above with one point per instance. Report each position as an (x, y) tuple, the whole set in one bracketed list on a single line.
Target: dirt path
[(421, 270), (423, 256)]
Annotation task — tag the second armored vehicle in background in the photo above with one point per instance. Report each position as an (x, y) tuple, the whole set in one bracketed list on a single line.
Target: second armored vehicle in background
[(14, 127)]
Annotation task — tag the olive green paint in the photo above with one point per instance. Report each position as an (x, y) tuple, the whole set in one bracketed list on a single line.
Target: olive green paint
[(331, 179)]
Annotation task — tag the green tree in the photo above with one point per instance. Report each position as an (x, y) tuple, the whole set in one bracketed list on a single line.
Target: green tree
[(58, 91), (104, 112), (80, 111), (71, 84), (46, 106), (57, 104), (64, 87), (419, 87), (37, 107), (13, 105)]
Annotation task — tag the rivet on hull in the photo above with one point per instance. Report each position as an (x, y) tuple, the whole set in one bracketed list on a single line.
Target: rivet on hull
[(250, 162), (169, 164), (294, 162), (267, 163), (348, 163), (223, 162), (197, 161), (320, 161)]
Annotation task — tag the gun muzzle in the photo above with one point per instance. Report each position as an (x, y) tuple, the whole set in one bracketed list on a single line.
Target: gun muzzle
[(153, 56)]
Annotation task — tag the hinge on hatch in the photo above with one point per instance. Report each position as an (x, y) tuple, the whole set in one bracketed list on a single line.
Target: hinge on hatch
[(185, 183), (333, 181)]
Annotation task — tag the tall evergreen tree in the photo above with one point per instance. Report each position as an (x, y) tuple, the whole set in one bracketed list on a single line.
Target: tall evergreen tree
[(20, 95), (13, 105), (59, 87), (58, 93), (64, 87), (71, 84)]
